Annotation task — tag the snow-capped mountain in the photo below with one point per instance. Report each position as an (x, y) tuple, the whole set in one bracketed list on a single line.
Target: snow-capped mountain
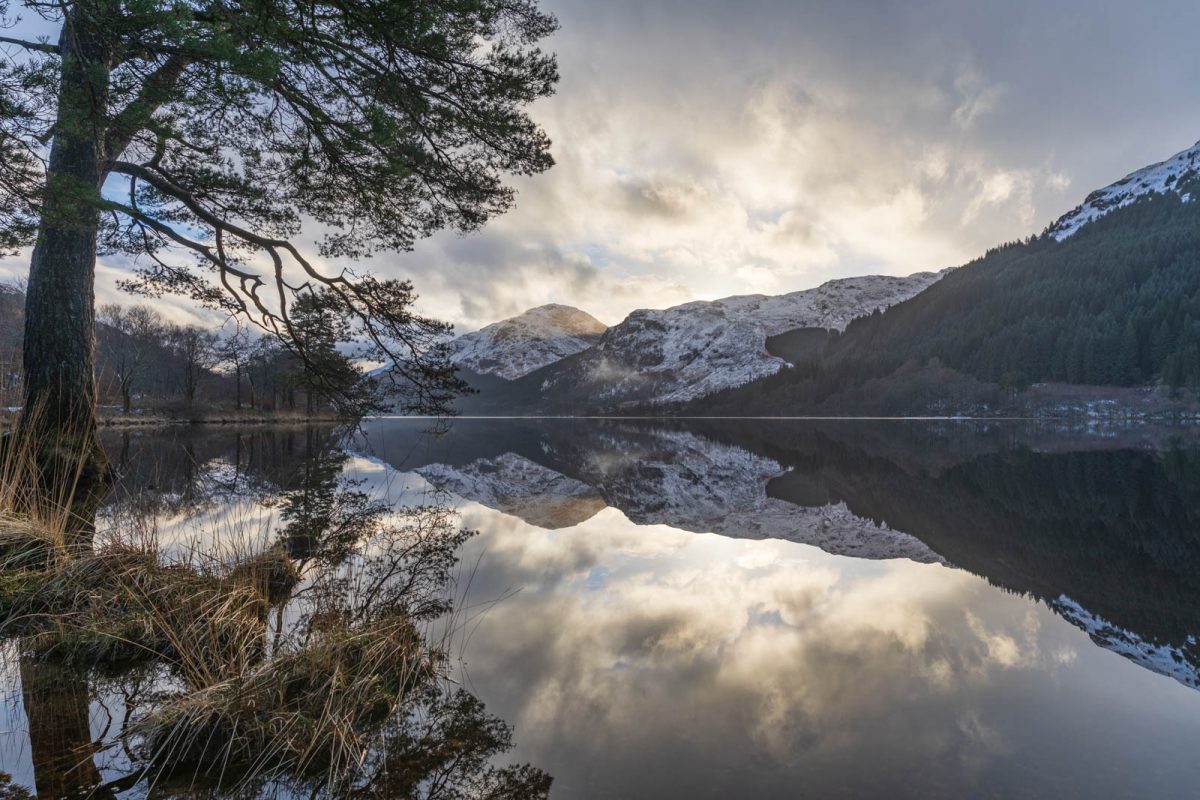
[(1177, 174), (519, 345), (691, 350)]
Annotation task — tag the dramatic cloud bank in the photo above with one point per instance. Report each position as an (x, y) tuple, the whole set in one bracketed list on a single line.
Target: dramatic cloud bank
[(710, 148)]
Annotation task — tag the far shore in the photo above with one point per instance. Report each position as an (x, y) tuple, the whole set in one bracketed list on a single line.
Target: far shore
[(107, 418)]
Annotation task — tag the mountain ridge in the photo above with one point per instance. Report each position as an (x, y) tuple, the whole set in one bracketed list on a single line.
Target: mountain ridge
[(690, 350), (1172, 175), (1106, 297), (1090, 324), (512, 348)]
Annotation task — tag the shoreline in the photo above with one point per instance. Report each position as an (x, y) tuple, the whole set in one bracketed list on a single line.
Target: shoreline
[(155, 422)]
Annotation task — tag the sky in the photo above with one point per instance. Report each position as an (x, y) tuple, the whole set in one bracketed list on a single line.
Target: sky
[(708, 148)]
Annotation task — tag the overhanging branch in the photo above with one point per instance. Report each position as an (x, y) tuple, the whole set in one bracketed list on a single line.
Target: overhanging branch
[(43, 47)]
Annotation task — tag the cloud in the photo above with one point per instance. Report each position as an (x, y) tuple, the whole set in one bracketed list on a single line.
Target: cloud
[(1058, 181), (976, 97), (1003, 188), (706, 148), (781, 188)]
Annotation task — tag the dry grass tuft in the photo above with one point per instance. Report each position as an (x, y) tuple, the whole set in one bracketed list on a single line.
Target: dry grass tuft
[(26, 544), (123, 605), (311, 711), (273, 574)]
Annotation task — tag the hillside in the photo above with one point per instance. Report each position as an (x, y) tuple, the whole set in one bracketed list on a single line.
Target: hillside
[(1175, 175), (1114, 301)]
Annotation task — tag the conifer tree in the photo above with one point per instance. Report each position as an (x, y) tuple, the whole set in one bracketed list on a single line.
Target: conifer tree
[(246, 153)]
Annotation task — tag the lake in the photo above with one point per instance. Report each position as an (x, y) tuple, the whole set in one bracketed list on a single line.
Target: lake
[(699, 608)]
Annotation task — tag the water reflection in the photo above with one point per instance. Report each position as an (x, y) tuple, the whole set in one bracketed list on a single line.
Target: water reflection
[(662, 476), (638, 660), (57, 701), (694, 609), (720, 668), (1104, 529), (288, 658)]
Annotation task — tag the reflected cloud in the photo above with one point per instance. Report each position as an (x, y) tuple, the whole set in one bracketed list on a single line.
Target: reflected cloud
[(629, 607), (719, 653)]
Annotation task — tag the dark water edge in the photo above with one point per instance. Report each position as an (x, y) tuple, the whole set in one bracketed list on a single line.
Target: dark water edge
[(1045, 571)]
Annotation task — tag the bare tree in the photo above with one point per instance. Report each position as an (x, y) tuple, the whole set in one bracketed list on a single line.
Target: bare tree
[(234, 353), (137, 333), (195, 348), (268, 372)]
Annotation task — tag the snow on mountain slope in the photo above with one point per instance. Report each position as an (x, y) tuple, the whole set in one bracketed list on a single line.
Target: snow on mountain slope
[(1171, 175), (691, 350), (692, 483), (519, 345)]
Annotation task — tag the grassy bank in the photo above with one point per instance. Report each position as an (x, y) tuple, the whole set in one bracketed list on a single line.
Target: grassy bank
[(300, 654)]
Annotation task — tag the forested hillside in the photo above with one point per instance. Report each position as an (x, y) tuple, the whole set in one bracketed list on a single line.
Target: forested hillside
[(1116, 304)]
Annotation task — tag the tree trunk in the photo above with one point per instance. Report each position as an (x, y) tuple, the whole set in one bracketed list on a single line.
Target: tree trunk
[(237, 394), (189, 384), (60, 334)]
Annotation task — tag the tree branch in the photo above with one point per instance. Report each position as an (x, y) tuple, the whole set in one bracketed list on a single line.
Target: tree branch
[(44, 47), (158, 85), (358, 300)]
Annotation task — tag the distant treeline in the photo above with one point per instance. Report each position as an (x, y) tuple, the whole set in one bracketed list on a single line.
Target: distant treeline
[(1117, 304), (146, 363)]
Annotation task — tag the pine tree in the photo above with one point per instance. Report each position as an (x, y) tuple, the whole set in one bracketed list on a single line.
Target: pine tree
[(203, 137)]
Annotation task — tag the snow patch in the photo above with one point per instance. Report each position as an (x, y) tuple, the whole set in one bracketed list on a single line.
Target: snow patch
[(692, 350), (1167, 176), (515, 347), (1175, 662)]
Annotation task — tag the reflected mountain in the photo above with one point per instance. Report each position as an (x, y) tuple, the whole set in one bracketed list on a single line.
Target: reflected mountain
[(517, 486), (659, 476), (1109, 538), (1105, 529), (623, 641)]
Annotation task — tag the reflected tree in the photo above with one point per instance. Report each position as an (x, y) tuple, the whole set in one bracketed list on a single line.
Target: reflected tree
[(57, 701), (339, 693)]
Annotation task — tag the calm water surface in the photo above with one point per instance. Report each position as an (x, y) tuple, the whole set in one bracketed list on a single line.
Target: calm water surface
[(751, 609)]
